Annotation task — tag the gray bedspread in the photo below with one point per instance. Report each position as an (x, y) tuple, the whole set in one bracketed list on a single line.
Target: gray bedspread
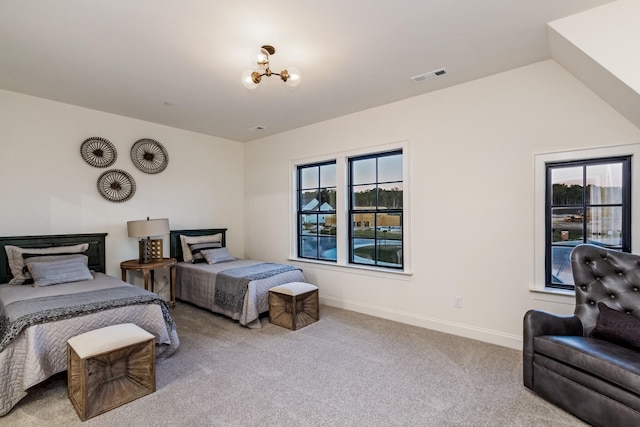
[(18, 315), (232, 284), (196, 283), (39, 350)]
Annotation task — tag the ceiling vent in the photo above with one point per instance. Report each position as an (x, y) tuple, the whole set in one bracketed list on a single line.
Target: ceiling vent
[(430, 75)]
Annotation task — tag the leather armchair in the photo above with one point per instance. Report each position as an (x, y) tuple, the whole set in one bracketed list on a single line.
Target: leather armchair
[(596, 380)]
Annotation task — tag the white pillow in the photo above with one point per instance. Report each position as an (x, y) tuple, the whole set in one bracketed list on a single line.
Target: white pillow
[(214, 256), (17, 263), (56, 271), (187, 256)]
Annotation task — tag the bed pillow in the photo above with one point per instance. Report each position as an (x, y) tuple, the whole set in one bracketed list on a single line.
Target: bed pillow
[(28, 258), (57, 271), (197, 248), (17, 263), (617, 327), (186, 240), (214, 256)]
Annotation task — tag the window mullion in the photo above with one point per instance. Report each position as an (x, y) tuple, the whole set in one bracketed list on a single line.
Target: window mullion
[(342, 211)]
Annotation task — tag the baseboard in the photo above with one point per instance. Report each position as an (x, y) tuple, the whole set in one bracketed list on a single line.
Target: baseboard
[(467, 331)]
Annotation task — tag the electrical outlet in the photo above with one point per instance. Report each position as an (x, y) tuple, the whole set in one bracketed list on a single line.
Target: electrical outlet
[(457, 302)]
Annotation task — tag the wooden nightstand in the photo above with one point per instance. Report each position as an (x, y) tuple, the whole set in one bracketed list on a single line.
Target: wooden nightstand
[(134, 264)]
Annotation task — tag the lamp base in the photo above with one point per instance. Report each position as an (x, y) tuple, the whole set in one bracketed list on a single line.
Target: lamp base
[(150, 250)]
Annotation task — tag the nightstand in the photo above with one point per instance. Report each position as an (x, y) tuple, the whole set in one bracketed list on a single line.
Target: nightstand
[(134, 264)]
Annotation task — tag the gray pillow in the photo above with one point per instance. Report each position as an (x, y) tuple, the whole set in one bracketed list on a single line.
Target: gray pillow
[(197, 248), (214, 256), (57, 271), (17, 262)]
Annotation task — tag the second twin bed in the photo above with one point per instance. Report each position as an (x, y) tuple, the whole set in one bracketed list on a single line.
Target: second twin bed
[(208, 276)]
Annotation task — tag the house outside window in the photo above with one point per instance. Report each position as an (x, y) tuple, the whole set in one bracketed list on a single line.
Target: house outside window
[(376, 209), (316, 201), (587, 201)]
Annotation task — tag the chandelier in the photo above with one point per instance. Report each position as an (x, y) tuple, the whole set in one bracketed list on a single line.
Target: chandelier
[(251, 78)]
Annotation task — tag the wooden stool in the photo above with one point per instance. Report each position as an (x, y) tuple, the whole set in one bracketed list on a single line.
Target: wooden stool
[(294, 305), (109, 367)]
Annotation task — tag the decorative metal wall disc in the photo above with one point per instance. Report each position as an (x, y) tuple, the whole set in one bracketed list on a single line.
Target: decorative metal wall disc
[(98, 152), (149, 156), (116, 185)]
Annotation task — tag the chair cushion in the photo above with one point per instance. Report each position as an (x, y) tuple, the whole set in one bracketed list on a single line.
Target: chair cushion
[(611, 362)]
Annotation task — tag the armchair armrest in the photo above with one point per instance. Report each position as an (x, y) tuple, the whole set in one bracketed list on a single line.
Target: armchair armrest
[(538, 323)]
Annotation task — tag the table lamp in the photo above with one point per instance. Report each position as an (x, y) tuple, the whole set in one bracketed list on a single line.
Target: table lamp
[(150, 249)]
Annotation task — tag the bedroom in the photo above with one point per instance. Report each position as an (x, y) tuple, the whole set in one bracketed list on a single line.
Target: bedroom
[(484, 132)]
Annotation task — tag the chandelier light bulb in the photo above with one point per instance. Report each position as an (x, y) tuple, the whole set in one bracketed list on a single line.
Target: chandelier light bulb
[(247, 80), (293, 78), (261, 59)]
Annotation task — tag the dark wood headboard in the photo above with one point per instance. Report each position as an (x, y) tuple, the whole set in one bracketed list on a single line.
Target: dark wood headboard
[(175, 248), (96, 252)]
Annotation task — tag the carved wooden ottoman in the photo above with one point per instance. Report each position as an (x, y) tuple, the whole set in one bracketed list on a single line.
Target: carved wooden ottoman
[(109, 367), (294, 305)]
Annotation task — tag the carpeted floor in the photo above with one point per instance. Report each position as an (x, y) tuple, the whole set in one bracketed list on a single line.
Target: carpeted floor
[(348, 369)]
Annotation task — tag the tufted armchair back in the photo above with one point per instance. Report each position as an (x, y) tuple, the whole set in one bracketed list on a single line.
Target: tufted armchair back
[(607, 276)]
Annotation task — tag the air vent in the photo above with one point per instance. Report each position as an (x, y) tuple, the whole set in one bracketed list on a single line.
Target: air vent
[(257, 128), (430, 75)]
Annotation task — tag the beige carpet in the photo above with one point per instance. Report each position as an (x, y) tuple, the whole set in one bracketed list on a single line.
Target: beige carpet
[(348, 369)]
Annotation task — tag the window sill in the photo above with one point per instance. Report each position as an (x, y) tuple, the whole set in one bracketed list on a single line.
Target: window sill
[(356, 269), (562, 296)]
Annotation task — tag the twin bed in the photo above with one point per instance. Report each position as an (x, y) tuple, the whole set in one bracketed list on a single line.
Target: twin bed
[(36, 320), (213, 282)]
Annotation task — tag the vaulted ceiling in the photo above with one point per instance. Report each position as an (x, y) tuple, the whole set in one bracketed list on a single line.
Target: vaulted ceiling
[(180, 63)]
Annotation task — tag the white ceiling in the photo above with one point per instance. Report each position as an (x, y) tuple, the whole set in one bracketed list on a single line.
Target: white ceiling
[(179, 63)]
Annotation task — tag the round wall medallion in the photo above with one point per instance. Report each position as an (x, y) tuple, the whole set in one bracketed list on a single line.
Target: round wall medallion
[(98, 152), (149, 155), (116, 185)]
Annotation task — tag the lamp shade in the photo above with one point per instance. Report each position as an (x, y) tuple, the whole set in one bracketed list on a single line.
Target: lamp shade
[(148, 227)]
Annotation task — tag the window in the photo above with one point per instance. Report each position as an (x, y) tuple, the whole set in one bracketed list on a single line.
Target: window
[(375, 210), (317, 211), (351, 209), (587, 201)]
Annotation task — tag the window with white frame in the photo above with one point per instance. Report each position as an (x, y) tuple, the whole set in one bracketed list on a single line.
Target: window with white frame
[(581, 196), (349, 209)]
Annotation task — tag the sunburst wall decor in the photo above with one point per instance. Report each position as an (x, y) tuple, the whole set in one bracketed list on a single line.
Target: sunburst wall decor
[(116, 185), (98, 152), (149, 156)]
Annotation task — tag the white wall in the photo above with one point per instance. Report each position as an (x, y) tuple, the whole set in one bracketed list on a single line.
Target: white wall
[(471, 169), (47, 188)]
